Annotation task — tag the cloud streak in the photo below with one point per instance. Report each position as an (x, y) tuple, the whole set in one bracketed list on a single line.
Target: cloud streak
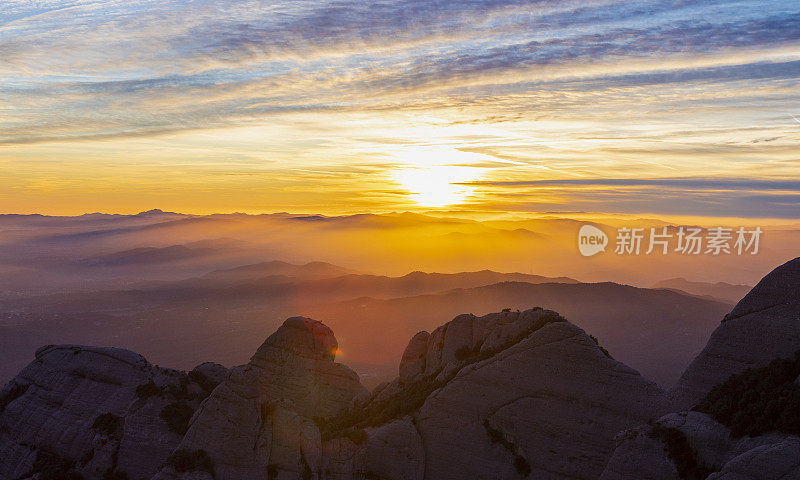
[(542, 89)]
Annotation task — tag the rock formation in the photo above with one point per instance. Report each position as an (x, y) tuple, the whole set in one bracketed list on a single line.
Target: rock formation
[(94, 412), (503, 396), (547, 407), (258, 423), (507, 395), (653, 452), (763, 326)]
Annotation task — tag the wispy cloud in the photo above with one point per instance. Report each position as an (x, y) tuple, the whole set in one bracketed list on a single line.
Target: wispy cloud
[(543, 89)]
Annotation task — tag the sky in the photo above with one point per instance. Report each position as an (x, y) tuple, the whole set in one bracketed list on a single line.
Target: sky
[(664, 108)]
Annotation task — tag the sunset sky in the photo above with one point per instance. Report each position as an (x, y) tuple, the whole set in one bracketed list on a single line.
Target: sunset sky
[(653, 107)]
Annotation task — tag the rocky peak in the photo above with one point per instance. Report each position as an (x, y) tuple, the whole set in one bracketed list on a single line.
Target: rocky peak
[(763, 326), (779, 289), (466, 335), (505, 395), (300, 337), (412, 363), (260, 419)]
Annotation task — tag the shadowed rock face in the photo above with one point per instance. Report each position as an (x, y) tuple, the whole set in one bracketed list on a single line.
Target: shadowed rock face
[(763, 326), (549, 405), (52, 408), (642, 454), (259, 420)]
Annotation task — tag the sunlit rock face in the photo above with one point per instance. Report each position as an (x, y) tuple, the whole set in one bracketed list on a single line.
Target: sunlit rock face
[(412, 364), (763, 326), (51, 411)]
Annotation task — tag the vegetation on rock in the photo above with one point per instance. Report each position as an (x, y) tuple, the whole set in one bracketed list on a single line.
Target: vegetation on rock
[(49, 466), (201, 379), (521, 464), (379, 411), (177, 416), (147, 390), (758, 401), (107, 424), (602, 349), (17, 390), (185, 460), (680, 451)]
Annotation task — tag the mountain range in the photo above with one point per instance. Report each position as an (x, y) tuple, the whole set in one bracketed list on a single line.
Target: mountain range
[(218, 316)]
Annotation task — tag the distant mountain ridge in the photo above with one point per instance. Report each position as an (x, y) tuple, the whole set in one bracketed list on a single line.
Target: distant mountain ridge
[(183, 323), (720, 290)]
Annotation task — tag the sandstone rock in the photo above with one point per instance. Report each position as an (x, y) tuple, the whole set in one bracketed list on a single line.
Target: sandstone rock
[(258, 421), (763, 326), (213, 372), (779, 460), (392, 452), (548, 407), (640, 455), (51, 407), (468, 333), (412, 365)]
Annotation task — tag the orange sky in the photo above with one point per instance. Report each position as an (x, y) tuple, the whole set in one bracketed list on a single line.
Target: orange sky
[(500, 108)]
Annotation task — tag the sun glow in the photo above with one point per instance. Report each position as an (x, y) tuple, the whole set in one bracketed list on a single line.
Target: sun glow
[(437, 186), (435, 176)]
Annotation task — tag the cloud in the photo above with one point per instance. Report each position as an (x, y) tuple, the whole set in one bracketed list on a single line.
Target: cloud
[(570, 89), (699, 183)]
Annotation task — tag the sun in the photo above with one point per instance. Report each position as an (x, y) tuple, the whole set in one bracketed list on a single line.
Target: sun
[(436, 177), (437, 186)]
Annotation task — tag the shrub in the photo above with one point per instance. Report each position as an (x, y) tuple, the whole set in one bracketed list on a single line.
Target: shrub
[(597, 342), (356, 435), (17, 390), (496, 436), (202, 379), (177, 416), (522, 466), (758, 401), (147, 390), (185, 460), (107, 424), (681, 453), (113, 474), (50, 466), (463, 353), (181, 390)]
